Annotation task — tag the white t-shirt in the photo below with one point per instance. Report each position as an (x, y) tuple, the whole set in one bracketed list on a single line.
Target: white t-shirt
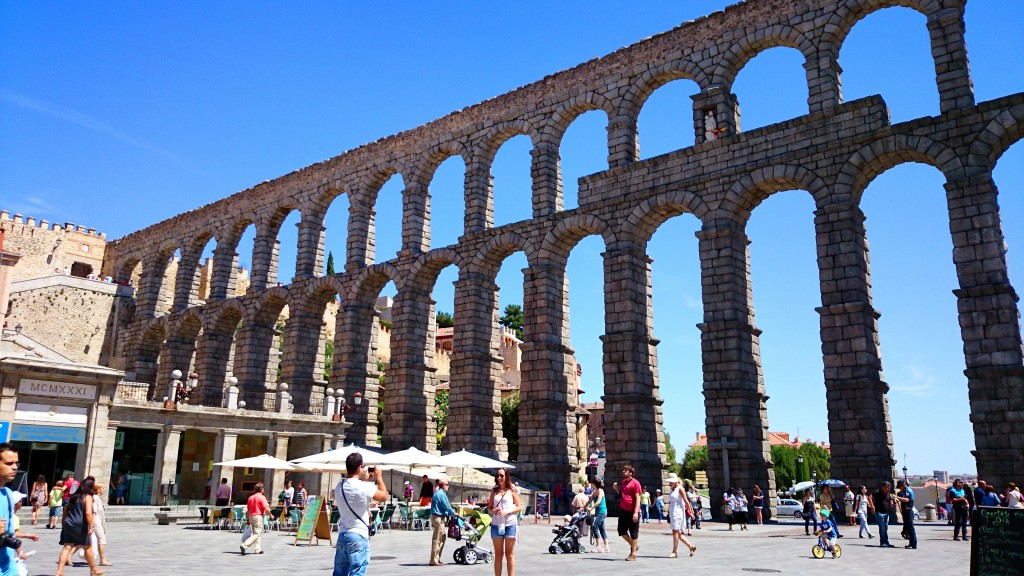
[(1013, 499), (289, 494), (359, 494)]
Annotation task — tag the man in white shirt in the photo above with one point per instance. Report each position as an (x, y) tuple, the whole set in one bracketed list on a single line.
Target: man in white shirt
[(352, 496)]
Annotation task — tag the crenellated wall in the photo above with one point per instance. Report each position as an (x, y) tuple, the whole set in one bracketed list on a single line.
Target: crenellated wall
[(832, 153), (51, 248)]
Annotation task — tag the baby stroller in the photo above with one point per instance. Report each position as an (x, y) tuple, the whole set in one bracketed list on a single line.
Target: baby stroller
[(568, 535), (470, 531)]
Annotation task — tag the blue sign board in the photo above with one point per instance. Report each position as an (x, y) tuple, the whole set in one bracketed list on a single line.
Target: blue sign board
[(57, 434), (5, 431)]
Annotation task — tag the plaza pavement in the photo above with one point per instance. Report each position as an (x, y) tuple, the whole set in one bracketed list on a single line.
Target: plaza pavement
[(145, 548)]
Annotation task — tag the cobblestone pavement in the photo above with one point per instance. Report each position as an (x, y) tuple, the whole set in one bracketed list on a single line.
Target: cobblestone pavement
[(145, 548)]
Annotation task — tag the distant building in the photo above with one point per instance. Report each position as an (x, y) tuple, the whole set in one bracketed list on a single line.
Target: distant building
[(774, 439), (941, 476)]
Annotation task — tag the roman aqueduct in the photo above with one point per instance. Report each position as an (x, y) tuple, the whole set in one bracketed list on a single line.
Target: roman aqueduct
[(833, 152)]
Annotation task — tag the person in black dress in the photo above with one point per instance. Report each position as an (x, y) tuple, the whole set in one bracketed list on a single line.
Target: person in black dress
[(77, 526)]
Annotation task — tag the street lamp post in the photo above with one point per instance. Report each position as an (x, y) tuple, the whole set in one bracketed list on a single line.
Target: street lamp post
[(799, 468), (905, 475)]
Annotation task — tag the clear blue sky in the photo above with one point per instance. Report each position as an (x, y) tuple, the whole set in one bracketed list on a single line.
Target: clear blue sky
[(118, 115)]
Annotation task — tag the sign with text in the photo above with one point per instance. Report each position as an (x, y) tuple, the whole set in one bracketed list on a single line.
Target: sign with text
[(56, 434), (541, 506), (314, 523), (997, 543), (57, 389)]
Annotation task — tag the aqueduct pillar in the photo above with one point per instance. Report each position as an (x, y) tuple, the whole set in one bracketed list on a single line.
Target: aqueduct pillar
[(734, 393)]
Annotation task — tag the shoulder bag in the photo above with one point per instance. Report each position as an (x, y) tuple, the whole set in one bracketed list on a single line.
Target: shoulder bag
[(370, 528)]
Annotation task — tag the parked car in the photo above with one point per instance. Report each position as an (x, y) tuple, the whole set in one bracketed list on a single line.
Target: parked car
[(788, 507)]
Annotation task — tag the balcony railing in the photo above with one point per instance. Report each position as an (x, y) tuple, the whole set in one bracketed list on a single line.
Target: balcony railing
[(139, 392)]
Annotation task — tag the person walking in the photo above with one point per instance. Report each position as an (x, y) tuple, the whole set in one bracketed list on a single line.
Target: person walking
[(809, 514), (223, 494), (504, 505), (645, 505), (99, 524), (77, 526), (440, 511), (56, 504), (599, 506), (629, 510), (256, 508), (352, 497), (38, 496), (679, 512), (880, 505), (860, 505), (961, 506), (757, 503), (906, 499)]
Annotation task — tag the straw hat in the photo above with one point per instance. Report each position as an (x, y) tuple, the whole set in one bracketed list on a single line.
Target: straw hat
[(673, 479)]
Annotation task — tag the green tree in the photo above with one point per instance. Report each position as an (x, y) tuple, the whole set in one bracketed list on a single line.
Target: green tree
[(328, 358), (380, 422), (330, 263), (510, 424), (445, 320), (670, 455), (816, 459), (513, 318), (784, 460), (441, 416), (695, 459), (385, 323)]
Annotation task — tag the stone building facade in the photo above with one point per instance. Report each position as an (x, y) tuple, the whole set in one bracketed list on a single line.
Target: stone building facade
[(832, 153), (50, 249)]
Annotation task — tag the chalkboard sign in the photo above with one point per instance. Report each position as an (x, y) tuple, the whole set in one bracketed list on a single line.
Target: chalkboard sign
[(542, 506), (314, 523), (997, 543)]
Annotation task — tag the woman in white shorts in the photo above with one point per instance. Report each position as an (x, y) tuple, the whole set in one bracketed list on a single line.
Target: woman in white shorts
[(679, 514)]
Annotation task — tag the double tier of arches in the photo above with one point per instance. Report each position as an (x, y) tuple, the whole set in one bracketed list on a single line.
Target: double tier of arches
[(733, 385)]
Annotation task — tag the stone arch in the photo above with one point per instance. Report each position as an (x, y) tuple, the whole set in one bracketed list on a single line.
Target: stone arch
[(488, 146), (320, 291), (428, 266), (371, 280), (749, 191), (654, 78), (315, 205), (423, 174), (996, 138), (739, 53), (852, 11), (557, 243), (375, 178), (558, 123), (189, 323), (147, 355), (490, 256), (875, 158), (646, 218), (225, 316), (268, 306), (265, 256), (126, 266)]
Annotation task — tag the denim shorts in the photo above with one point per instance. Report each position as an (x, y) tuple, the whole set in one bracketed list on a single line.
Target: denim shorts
[(503, 531), (55, 511)]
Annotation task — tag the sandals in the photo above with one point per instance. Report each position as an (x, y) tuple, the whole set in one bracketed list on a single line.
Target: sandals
[(693, 549)]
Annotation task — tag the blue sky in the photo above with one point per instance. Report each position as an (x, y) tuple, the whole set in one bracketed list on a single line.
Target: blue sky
[(121, 114)]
